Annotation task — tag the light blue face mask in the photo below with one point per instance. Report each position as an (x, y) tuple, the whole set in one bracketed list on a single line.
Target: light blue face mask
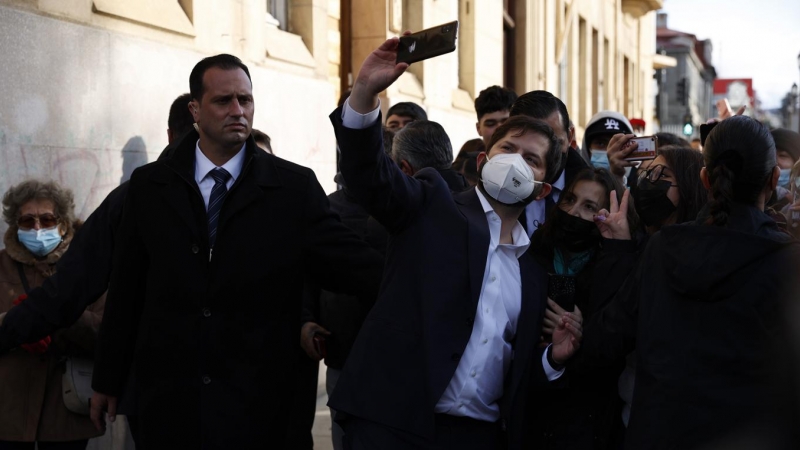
[(600, 159), (783, 181), (40, 242)]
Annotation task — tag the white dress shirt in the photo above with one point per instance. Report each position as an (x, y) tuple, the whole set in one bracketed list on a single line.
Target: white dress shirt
[(477, 384), (535, 211), (203, 166)]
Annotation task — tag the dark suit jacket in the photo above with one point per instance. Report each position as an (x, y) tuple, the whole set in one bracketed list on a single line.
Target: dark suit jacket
[(412, 340), (214, 342)]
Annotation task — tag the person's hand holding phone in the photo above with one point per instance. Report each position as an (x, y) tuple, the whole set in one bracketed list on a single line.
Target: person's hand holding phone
[(307, 334), (377, 73), (617, 150)]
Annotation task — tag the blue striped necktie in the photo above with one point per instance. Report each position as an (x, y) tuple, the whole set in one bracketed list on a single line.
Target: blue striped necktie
[(215, 201)]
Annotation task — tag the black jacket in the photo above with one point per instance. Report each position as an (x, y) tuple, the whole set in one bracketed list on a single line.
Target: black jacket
[(583, 410), (214, 341), (343, 314), (704, 309), (411, 341)]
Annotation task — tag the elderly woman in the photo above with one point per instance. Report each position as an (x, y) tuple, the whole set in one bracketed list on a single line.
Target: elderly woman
[(41, 224)]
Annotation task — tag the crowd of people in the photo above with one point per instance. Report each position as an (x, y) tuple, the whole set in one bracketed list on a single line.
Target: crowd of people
[(525, 293)]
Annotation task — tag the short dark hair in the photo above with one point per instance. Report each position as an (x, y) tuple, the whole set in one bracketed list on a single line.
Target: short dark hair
[(407, 109), (541, 105), (262, 138), (686, 163), (222, 61), (494, 98), (423, 144), (523, 124), (180, 120)]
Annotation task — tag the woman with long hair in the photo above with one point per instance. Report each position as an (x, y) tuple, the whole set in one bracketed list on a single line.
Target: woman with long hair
[(704, 306), (585, 262)]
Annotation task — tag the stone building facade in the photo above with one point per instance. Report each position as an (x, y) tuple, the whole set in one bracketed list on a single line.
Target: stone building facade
[(87, 84)]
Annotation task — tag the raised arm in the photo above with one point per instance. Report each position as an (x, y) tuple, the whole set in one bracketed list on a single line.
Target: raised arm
[(373, 178)]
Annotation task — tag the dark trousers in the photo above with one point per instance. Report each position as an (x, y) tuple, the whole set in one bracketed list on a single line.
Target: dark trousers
[(69, 445), (452, 433), (304, 406)]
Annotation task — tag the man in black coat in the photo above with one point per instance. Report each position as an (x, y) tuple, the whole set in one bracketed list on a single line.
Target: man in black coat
[(420, 144), (205, 297), (432, 366)]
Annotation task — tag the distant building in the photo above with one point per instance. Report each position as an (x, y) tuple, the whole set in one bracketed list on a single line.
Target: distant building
[(738, 91), (686, 90)]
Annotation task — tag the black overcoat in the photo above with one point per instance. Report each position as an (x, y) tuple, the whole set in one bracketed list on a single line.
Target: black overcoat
[(213, 340)]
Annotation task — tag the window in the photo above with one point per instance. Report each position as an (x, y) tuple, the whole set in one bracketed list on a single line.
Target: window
[(509, 44), (278, 13)]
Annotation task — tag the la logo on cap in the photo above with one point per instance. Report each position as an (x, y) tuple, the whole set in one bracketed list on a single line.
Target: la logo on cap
[(612, 124)]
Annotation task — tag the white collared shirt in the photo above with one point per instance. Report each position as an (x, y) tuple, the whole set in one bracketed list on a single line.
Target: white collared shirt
[(477, 384), (536, 211), (203, 166)]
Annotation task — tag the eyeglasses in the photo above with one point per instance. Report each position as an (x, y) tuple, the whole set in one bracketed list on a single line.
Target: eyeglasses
[(44, 220), (655, 173)]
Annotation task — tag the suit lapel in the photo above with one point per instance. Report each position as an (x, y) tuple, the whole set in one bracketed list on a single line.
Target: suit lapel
[(477, 241), (258, 173), (530, 315), (182, 192)]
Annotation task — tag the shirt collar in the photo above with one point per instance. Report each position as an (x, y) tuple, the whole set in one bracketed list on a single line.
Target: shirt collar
[(559, 184), (518, 234), (203, 165)]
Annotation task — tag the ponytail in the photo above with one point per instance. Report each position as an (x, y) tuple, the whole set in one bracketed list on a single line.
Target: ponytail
[(722, 180)]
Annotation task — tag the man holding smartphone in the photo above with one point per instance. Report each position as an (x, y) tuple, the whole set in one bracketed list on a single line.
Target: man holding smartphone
[(448, 354)]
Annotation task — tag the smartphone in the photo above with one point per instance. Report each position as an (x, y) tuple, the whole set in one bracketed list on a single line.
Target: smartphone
[(428, 43), (321, 345), (705, 129), (561, 289), (648, 148)]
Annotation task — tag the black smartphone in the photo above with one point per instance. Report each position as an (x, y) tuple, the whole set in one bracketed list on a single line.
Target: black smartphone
[(428, 43), (561, 289), (705, 129), (321, 345)]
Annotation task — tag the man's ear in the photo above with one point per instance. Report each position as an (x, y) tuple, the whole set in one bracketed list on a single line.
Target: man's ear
[(406, 168), (482, 156), (571, 135), (704, 179), (193, 105), (478, 128), (545, 191)]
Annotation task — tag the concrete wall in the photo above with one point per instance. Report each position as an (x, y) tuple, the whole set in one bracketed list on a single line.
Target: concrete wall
[(78, 99)]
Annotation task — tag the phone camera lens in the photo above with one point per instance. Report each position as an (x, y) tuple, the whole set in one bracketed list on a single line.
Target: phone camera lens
[(446, 29)]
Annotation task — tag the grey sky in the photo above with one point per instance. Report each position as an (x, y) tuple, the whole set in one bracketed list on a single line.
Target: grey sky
[(751, 39)]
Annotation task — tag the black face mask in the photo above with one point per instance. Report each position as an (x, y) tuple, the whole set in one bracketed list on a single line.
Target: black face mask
[(652, 203), (573, 233)]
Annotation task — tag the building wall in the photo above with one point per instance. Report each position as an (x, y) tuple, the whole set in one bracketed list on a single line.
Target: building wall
[(601, 43), (82, 89), (86, 82)]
